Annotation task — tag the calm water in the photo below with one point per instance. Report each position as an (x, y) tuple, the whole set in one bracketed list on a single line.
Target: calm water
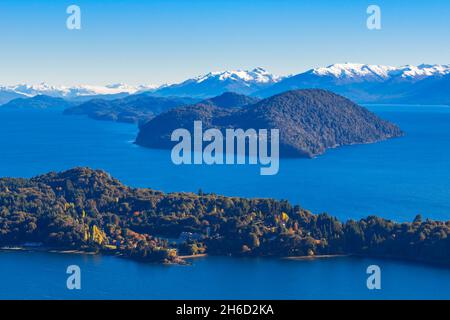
[(396, 179), (43, 275)]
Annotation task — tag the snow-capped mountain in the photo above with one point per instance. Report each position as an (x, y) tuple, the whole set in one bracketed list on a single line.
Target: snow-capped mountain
[(257, 75), (8, 93), (356, 71), (366, 83), (216, 83)]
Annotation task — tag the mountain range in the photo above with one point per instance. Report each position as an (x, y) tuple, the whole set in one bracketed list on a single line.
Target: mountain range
[(363, 83)]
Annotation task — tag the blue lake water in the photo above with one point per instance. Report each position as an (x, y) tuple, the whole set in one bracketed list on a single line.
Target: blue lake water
[(395, 179), (43, 275)]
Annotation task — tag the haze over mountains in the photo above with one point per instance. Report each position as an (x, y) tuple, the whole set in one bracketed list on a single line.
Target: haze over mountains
[(79, 93), (363, 83)]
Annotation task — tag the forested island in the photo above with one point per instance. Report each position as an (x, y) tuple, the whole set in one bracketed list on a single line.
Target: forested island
[(88, 210), (310, 121)]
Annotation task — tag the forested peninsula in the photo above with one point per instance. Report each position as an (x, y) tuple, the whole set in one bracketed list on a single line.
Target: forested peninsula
[(88, 210)]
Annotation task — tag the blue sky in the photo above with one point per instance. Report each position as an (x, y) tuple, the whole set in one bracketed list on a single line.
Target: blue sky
[(158, 41)]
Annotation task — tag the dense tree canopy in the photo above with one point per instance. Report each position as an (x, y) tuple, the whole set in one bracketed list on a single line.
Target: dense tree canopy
[(86, 209)]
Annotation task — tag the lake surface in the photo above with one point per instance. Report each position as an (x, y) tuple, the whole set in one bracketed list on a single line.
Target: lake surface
[(34, 275), (395, 179)]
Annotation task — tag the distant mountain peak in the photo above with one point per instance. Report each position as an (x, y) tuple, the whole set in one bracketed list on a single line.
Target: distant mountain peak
[(354, 70), (257, 75), (215, 83), (359, 71), (70, 92), (366, 83), (424, 70)]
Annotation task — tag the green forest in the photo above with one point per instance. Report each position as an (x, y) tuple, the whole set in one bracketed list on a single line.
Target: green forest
[(88, 210)]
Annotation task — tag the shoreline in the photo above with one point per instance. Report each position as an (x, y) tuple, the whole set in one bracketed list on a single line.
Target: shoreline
[(72, 252), (194, 256), (185, 259), (47, 249), (324, 256)]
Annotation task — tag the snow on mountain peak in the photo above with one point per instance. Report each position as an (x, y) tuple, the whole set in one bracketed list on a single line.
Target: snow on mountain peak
[(354, 70), (73, 91), (424, 70), (366, 71), (257, 75)]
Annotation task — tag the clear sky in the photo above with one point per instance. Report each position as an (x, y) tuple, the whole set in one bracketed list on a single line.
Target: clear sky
[(158, 41)]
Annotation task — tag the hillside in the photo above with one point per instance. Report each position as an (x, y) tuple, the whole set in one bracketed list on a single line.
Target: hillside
[(310, 122), (38, 102), (133, 109), (230, 100)]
